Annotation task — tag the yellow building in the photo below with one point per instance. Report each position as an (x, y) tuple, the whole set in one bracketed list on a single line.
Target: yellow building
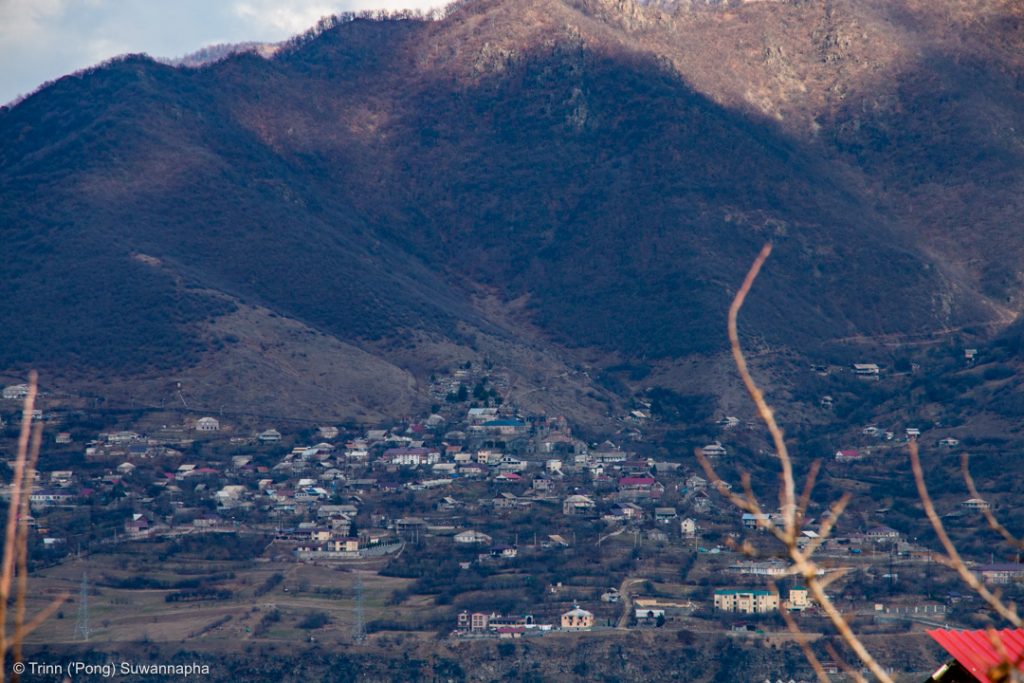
[(799, 599), (577, 619), (746, 601)]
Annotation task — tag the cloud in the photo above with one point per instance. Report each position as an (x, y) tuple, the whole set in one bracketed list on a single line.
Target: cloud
[(282, 18)]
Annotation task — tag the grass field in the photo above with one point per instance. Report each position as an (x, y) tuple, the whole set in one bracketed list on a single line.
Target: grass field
[(131, 615)]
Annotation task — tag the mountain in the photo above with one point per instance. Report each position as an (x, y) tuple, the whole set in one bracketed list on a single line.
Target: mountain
[(555, 182)]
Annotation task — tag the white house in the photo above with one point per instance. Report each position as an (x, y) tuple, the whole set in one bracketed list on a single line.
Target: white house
[(714, 449), (15, 392), (866, 370), (207, 424), (471, 537)]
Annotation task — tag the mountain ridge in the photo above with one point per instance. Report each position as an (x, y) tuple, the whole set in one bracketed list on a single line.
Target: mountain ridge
[(582, 157)]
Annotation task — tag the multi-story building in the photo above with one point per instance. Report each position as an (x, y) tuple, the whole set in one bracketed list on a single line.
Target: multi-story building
[(746, 600)]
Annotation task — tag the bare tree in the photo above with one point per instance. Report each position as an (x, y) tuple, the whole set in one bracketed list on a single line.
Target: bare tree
[(14, 566), (794, 508)]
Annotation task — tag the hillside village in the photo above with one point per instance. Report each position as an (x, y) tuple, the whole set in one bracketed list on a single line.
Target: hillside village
[(572, 536)]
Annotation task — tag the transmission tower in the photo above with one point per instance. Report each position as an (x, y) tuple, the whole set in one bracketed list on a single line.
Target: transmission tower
[(359, 627), (82, 627)]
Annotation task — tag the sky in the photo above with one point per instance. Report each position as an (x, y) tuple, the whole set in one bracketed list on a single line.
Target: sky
[(42, 40)]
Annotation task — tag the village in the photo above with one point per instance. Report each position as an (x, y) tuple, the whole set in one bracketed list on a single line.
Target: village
[(512, 524)]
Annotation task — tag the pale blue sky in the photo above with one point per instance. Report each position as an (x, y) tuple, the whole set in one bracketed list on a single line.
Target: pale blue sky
[(41, 40)]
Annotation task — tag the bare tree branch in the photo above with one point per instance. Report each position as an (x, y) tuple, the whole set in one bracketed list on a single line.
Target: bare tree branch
[(951, 552), (990, 517)]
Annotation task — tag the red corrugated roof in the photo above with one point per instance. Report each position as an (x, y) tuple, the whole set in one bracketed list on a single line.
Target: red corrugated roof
[(974, 651)]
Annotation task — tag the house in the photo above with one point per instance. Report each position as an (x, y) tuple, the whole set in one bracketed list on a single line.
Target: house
[(487, 456), (45, 498), (949, 442), (447, 504), (504, 551), (122, 437), (578, 506), (714, 449), (637, 488), (624, 512), (376, 435), (509, 501), (478, 416), (15, 392), (510, 631), (541, 484), (975, 504), (509, 427), (470, 537), (510, 463), (411, 457), (866, 370), (62, 437), (755, 521), (125, 468), (558, 443), (269, 436), (577, 619), (652, 609), (979, 656), (207, 424), (770, 568), (138, 526), (410, 524), (472, 470), (695, 483), (849, 455), (1001, 573), (688, 528), (882, 533), (478, 621), (328, 432), (799, 599), (665, 514), (746, 601)]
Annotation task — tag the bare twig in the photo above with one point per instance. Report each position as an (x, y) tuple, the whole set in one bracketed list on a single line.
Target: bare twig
[(841, 663), (805, 497), (791, 624), (11, 536), (952, 555), (22, 543), (788, 494), (990, 517), (789, 532)]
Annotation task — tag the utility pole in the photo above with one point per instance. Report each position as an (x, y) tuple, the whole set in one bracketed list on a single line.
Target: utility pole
[(359, 627), (82, 627)]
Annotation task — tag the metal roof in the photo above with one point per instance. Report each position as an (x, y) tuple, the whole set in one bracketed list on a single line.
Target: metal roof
[(974, 650)]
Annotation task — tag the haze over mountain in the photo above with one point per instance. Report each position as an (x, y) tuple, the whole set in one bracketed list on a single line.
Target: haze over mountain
[(545, 183)]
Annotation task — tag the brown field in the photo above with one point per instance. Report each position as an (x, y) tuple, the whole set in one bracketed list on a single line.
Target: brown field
[(125, 615)]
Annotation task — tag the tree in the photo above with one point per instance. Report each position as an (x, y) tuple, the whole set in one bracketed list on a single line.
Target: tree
[(793, 508)]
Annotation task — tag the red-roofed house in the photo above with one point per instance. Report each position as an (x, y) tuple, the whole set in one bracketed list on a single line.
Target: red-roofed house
[(974, 656), (849, 455)]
